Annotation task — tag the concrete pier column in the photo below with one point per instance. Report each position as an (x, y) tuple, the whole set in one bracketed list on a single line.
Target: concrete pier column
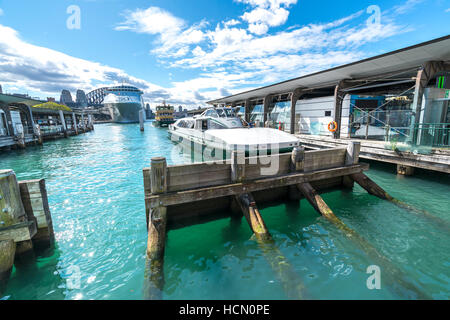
[(75, 126), (90, 122), (63, 123), (83, 124)]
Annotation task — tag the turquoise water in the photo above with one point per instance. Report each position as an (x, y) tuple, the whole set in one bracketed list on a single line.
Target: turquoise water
[(96, 197)]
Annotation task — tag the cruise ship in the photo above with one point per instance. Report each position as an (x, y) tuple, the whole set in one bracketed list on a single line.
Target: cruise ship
[(124, 103)]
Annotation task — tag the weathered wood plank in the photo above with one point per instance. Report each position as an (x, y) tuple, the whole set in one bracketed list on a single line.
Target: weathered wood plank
[(173, 198), (7, 252)]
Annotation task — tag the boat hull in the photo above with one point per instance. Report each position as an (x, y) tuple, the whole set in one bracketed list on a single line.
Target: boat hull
[(163, 123), (124, 112)]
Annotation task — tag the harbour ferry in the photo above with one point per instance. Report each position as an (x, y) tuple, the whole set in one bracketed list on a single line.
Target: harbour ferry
[(221, 130), (164, 115)]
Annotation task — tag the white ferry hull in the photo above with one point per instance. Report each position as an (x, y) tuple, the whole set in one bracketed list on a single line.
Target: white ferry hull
[(124, 112)]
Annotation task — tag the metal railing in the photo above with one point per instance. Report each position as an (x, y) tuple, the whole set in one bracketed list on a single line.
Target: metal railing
[(432, 134)]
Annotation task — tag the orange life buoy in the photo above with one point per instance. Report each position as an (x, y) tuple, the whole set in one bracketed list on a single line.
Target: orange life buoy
[(335, 126)]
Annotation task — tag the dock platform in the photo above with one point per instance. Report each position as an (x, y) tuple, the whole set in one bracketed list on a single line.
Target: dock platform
[(437, 160), (182, 195)]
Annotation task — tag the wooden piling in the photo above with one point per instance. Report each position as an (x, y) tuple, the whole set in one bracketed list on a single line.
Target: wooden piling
[(248, 206), (141, 119), (351, 158), (154, 275), (297, 164), (374, 189), (14, 222), (392, 273), (35, 201), (237, 166), (7, 252), (292, 286), (370, 186)]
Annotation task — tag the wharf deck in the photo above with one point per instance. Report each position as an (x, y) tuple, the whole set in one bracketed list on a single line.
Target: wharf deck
[(437, 160)]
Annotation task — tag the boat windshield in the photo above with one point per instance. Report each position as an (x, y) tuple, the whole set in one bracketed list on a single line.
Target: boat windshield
[(225, 113)]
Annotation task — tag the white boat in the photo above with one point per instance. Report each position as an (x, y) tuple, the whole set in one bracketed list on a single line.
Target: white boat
[(220, 129)]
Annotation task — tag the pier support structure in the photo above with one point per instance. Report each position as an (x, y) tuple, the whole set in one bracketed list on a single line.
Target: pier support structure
[(33, 194), (7, 252), (63, 123), (75, 125), (157, 225), (405, 170)]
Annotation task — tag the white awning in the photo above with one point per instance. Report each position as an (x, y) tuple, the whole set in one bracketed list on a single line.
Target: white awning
[(410, 58)]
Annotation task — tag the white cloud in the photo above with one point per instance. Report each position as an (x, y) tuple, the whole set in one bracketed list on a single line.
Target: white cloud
[(28, 67), (265, 14), (448, 10), (233, 57), (1, 12), (153, 20), (407, 6)]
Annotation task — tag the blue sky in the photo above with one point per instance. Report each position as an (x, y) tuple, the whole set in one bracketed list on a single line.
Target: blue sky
[(188, 52)]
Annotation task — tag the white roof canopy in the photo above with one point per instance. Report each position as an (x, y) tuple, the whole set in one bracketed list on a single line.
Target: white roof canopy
[(406, 59)]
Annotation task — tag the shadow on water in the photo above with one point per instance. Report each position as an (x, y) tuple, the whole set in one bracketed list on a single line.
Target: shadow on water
[(39, 264)]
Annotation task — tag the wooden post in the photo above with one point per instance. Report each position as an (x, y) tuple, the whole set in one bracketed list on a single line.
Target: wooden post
[(351, 158), (237, 166), (297, 165), (156, 233), (248, 206), (292, 285), (405, 170), (14, 223), (7, 252), (394, 274), (374, 189), (316, 201), (370, 186), (141, 119), (35, 201)]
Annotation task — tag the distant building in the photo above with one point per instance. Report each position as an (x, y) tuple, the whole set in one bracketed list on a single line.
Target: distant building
[(66, 98), (148, 112), (51, 99), (81, 99), (1, 91)]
